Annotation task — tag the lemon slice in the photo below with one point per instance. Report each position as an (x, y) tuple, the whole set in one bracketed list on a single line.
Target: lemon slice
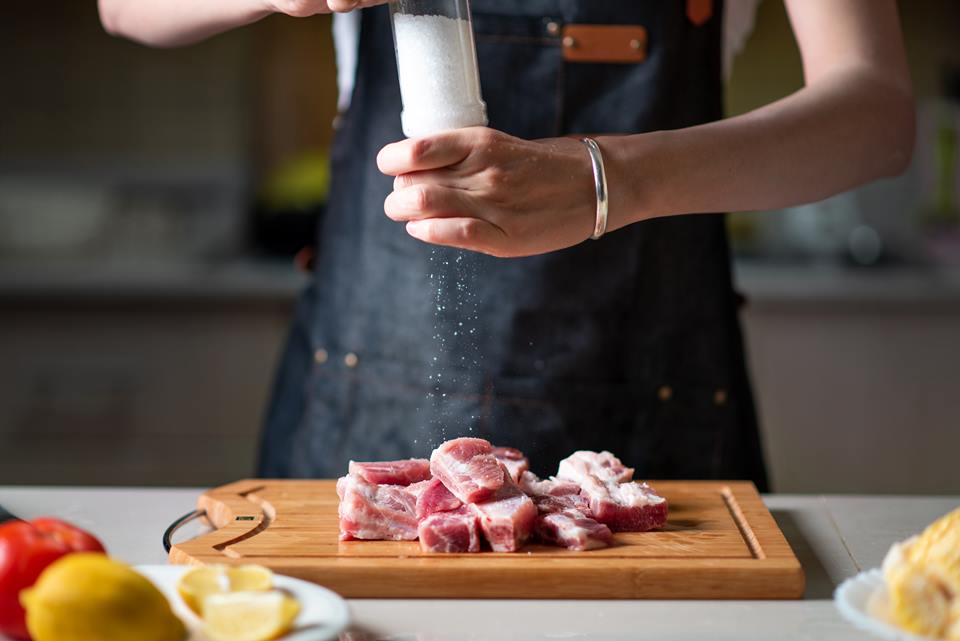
[(248, 616), (249, 578), (201, 582)]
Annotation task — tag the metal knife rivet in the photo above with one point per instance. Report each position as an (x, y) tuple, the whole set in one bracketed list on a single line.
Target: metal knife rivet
[(569, 42), (635, 44)]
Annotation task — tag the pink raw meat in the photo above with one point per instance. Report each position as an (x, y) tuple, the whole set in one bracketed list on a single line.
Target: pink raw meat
[(551, 504), (625, 507), (435, 497), (393, 472), (468, 468), (573, 530), (603, 465), (513, 459), (376, 512), (507, 518), (531, 484), (564, 517), (455, 531)]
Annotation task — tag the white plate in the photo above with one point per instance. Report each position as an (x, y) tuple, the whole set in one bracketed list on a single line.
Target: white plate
[(862, 600), (323, 614)]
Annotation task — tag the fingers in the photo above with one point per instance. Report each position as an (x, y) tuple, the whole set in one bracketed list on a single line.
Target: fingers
[(426, 201), (463, 233), (441, 177), (342, 6), (423, 154)]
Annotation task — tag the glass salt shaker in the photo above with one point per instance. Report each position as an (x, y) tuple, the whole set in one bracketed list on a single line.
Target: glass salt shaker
[(437, 64)]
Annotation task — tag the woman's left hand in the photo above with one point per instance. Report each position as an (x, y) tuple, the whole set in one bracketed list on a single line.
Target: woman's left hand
[(486, 191)]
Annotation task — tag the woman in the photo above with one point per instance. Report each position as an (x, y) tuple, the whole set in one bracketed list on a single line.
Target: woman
[(537, 337)]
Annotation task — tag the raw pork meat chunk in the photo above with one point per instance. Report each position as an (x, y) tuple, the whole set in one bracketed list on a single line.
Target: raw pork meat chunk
[(531, 484), (393, 472), (468, 468), (512, 459), (625, 507), (455, 531), (564, 515), (573, 530), (603, 465), (435, 497), (376, 512), (507, 518)]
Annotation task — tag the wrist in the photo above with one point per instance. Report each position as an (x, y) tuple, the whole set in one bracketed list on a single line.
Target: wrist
[(632, 164)]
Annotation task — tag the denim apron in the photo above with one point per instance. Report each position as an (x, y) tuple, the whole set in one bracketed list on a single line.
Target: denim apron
[(630, 343)]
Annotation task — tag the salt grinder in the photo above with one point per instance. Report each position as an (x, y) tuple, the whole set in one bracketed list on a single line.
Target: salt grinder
[(437, 64)]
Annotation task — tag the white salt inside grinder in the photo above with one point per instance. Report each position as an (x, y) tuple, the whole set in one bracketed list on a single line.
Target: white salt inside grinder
[(437, 64)]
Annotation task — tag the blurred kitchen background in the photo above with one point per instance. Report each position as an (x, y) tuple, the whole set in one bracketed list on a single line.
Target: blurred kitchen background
[(152, 204)]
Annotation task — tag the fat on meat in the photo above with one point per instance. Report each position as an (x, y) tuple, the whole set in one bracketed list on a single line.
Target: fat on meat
[(602, 465), (468, 468), (572, 529), (450, 532), (512, 459), (625, 507), (376, 512), (404, 472), (531, 484)]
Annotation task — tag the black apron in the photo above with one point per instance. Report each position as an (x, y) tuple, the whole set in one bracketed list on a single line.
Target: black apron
[(630, 343)]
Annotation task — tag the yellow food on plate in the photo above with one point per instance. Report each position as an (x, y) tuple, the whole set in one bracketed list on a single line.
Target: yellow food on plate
[(199, 583), (923, 580), (90, 597), (248, 616)]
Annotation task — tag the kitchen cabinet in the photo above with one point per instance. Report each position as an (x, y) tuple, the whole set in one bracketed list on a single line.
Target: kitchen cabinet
[(856, 377), (160, 384)]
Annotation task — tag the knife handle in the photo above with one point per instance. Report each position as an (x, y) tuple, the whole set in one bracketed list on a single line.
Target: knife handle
[(6, 516)]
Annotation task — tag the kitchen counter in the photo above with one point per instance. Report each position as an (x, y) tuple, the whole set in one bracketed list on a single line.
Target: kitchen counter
[(834, 537)]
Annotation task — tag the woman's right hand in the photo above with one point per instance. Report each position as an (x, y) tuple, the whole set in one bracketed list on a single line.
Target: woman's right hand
[(304, 8)]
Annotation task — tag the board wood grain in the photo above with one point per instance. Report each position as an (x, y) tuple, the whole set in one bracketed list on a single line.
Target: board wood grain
[(720, 542)]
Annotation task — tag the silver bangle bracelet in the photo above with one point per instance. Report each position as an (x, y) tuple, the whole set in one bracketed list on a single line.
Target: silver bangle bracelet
[(600, 181)]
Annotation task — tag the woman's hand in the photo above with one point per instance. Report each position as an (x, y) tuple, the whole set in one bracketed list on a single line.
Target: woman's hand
[(304, 8), (486, 191)]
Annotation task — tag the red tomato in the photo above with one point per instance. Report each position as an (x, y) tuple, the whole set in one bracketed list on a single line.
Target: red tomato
[(26, 549)]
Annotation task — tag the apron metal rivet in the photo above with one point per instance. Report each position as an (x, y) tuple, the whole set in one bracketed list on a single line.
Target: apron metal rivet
[(553, 28), (321, 356), (665, 393), (720, 397), (569, 42), (351, 360)]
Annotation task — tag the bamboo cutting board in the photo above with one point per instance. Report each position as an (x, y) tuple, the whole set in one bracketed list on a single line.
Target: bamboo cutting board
[(720, 542)]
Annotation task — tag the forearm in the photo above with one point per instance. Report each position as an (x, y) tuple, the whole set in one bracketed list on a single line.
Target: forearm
[(177, 22), (848, 128)]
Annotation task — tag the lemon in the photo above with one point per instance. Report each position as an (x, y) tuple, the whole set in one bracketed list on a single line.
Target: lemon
[(90, 597), (201, 582), (248, 616)]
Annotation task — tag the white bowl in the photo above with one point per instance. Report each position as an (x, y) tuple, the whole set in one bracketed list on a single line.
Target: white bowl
[(323, 614), (862, 600)]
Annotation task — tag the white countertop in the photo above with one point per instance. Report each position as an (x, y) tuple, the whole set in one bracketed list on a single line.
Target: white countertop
[(833, 536)]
